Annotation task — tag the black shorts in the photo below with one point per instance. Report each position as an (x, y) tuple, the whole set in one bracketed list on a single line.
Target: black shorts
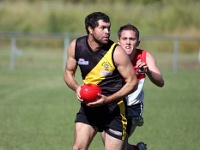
[(108, 118)]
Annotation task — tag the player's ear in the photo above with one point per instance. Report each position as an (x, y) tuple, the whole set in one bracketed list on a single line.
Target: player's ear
[(90, 30), (138, 42), (118, 42)]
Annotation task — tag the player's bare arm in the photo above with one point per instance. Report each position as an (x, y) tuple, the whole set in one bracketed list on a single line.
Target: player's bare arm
[(125, 68), (70, 69), (153, 72)]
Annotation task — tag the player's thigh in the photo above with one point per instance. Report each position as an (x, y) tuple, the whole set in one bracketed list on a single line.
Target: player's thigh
[(112, 143), (103, 136), (84, 134)]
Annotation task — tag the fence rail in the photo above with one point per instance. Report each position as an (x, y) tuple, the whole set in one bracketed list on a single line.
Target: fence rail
[(66, 38)]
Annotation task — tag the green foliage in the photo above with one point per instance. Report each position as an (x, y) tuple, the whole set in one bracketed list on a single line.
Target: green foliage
[(158, 17), (103, 1)]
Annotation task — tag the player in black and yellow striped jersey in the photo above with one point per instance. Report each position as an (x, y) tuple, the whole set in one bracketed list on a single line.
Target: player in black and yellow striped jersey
[(98, 67), (106, 64)]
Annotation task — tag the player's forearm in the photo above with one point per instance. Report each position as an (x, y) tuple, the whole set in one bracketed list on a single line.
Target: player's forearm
[(124, 91), (71, 82), (156, 78)]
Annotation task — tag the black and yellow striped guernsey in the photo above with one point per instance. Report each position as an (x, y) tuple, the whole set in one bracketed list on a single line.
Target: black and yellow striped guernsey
[(98, 67)]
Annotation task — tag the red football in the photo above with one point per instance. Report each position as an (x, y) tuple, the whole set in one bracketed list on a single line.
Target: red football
[(89, 92)]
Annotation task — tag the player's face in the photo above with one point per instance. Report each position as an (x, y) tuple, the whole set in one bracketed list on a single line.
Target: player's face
[(128, 41), (101, 34)]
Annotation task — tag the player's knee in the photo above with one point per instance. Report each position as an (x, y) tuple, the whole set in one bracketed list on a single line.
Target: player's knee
[(74, 147), (77, 147)]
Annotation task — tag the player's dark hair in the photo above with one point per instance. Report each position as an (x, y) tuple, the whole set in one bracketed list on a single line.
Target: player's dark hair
[(128, 27), (93, 18)]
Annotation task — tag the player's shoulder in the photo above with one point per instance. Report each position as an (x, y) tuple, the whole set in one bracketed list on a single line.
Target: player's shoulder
[(141, 51), (119, 49), (72, 44), (120, 53), (149, 57), (148, 53), (144, 52), (78, 40)]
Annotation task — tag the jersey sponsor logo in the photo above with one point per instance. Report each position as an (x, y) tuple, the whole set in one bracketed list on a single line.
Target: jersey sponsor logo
[(106, 71), (82, 61), (106, 65)]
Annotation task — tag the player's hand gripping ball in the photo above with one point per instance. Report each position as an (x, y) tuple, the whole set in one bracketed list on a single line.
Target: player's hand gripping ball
[(89, 92)]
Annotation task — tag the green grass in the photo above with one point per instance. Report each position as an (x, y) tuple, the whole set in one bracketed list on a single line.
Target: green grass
[(37, 110), (171, 113)]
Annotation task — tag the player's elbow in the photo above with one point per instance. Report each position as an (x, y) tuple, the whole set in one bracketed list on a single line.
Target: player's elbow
[(134, 86), (66, 77), (161, 83)]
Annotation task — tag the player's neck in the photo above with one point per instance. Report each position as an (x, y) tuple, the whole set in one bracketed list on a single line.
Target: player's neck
[(94, 45), (133, 54)]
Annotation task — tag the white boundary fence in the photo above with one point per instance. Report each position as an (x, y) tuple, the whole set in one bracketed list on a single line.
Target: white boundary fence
[(67, 37), (176, 40)]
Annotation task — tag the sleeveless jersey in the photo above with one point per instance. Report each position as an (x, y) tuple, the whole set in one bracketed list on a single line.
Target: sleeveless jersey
[(138, 95), (98, 67)]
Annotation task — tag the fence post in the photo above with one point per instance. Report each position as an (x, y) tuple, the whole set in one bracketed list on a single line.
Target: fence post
[(13, 53), (175, 61), (66, 45)]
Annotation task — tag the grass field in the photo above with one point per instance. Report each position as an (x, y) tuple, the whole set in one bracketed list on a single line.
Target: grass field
[(37, 110)]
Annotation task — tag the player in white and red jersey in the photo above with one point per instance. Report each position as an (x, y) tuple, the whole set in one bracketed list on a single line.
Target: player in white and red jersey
[(144, 64)]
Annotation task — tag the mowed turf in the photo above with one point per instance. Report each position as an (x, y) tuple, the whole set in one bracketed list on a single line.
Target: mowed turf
[(37, 110)]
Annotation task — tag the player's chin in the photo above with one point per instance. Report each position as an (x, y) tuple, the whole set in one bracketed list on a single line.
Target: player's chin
[(128, 51), (105, 40)]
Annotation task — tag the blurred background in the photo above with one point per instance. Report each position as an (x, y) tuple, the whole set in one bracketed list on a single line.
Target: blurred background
[(168, 27), (37, 110)]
